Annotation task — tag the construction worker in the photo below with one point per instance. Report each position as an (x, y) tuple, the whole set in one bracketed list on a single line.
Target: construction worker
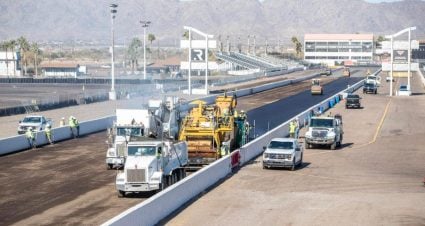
[(292, 128), (242, 115), (224, 149), (74, 125), (30, 135), (48, 132)]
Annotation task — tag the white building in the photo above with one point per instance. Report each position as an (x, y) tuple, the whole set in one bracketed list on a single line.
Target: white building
[(60, 69), (10, 63), (338, 49)]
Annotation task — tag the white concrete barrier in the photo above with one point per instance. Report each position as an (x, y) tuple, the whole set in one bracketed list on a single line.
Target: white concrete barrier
[(20, 142), (156, 208), (422, 76)]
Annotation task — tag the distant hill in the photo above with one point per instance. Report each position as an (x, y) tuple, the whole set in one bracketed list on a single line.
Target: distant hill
[(72, 20)]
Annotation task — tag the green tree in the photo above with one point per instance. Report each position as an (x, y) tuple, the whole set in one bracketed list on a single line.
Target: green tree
[(5, 47), (12, 45), (35, 50), (24, 48), (133, 52), (151, 38), (297, 45), (186, 35)]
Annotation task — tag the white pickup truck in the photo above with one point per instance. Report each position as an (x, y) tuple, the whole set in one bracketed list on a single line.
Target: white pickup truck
[(283, 152), (37, 122)]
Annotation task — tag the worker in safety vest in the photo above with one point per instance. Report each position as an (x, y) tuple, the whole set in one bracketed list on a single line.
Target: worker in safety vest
[(224, 149), (30, 135), (48, 132), (74, 125), (292, 128)]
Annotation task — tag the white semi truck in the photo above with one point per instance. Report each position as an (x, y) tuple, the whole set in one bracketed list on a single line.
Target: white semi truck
[(160, 119), (129, 123), (151, 165)]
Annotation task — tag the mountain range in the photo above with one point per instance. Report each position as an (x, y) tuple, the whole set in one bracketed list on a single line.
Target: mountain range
[(90, 20)]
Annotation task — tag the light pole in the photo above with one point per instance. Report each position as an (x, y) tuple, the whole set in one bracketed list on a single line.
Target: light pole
[(409, 29), (145, 24), (112, 94)]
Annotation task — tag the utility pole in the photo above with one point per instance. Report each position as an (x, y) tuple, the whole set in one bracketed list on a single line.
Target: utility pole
[(145, 24), (112, 93)]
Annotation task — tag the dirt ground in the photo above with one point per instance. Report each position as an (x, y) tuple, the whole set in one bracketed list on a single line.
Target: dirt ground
[(376, 178)]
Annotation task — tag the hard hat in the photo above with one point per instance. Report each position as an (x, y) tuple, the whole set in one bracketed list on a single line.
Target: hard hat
[(242, 111), (30, 128), (49, 126)]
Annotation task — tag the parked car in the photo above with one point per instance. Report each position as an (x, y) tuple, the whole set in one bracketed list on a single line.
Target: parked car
[(352, 101), (370, 88), (388, 78), (326, 71), (404, 91), (36, 122), (283, 152)]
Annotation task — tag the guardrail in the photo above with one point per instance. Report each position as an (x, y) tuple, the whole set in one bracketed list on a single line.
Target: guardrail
[(161, 205), (20, 142)]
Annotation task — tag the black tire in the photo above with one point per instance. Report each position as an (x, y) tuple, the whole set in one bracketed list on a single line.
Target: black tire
[(293, 165), (109, 166), (301, 161), (333, 145), (264, 167), (121, 194), (306, 145)]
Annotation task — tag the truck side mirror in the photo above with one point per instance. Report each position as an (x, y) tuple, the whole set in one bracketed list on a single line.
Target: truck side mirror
[(264, 147), (159, 150), (20, 121), (297, 149)]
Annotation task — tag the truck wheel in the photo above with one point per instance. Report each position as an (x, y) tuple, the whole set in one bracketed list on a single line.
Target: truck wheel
[(110, 166), (301, 161), (121, 194), (333, 145), (307, 145), (264, 167), (293, 165)]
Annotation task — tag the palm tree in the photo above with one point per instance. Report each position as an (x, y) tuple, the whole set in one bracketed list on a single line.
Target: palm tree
[(151, 38), (12, 45), (4, 46), (133, 52), (36, 51), (186, 35), (24, 47)]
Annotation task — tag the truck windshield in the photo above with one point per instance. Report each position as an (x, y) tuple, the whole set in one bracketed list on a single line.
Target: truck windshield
[(129, 131), (32, 119), (141, 150), (281, 145), (327, 123)]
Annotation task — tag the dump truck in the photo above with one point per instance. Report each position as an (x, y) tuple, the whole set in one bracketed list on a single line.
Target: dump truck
[(316, 87), (151, 164), (211, 129)]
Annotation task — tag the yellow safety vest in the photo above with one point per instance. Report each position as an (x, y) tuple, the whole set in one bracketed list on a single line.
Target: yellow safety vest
[(292, 128), (29, 134)]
